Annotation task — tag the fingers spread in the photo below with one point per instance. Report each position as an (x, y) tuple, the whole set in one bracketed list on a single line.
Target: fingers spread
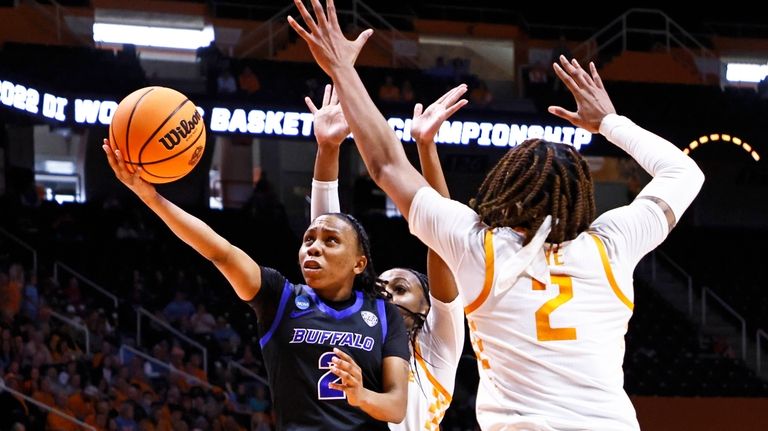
[(563, 113), (363, 37), (456, 106), (330, 7), (334, 96), (327, 95), (299, 29), (595, 76), (566, 78), (310, 105), (306, 16), (319, 14)]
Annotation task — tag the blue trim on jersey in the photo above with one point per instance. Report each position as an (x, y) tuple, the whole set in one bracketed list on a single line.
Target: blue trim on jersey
[(382, 308), (279, 315), (337, 314)]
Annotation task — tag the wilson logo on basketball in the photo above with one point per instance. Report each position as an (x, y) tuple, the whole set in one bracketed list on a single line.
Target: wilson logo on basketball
[(184, 129)]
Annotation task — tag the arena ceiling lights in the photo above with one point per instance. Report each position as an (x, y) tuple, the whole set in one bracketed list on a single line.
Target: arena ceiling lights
[(160, 37), (722, 137)]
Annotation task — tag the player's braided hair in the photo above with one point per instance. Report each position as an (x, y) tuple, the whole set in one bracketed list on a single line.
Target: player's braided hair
[(535, 179), (368, 280)]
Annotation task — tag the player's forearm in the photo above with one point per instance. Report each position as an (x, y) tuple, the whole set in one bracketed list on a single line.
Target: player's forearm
[(386, 407), (431, 168), (441, 282), (190, 229), (676, 177), (379, 146), (325, 187), (326, 163)]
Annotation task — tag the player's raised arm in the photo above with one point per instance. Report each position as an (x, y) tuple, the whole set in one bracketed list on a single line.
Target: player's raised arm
[(331, 129), (426, 124), (240, 270), (379, 146), (676, 177)]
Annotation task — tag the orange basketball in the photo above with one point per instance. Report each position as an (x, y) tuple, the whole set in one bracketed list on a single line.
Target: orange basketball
[(159, 130)]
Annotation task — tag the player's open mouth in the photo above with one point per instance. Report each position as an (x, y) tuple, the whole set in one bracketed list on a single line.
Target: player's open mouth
[(311, 265)]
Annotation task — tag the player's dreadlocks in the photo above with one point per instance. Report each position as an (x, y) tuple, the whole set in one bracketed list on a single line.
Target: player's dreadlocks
[(535, 179)]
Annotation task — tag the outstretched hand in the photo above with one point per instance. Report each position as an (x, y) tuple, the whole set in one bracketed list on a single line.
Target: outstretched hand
[(592, 101), (132, 180), (426, 123), (331, 128), (328, 45)]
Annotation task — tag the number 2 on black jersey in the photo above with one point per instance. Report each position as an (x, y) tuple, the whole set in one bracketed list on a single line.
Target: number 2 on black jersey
[(324, 391)]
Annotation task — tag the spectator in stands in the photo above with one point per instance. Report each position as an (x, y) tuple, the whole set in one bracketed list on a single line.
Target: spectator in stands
[(210, 58), (36, 347), (59, 423), (530, 231), (81, 402), (440, 69), (72, 292), (762, 89), (10, 292), (179, 309), (226, 83), (202, 322), (460, 68), (224, 333), (125, 421), (406, 92), (248, 81), (481, 95), (388, 91), (30, 298), (194, 367), (13, 409)]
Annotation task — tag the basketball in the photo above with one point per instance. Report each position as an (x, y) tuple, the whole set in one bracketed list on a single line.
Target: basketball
[(159, 130)]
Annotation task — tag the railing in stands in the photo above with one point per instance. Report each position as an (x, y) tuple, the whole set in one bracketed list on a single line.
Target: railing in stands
[(388, 42), (242, 369), (59, 268), (77, 326), (143, 311), (705, 291), (590, 48), (167, 366), (57, 17), (759, 336), (681, 271), (23, 245), (273, 29), (45, 407)]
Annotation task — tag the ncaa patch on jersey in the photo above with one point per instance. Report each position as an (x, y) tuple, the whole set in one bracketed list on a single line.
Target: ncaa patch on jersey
[(302, 302), (369, 318)]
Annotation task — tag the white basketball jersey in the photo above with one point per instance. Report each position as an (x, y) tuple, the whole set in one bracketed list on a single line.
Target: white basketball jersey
[(551, 350), (547, 325), (433, 368)]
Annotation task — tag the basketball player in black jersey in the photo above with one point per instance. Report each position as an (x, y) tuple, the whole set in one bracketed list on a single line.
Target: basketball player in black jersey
[(336, 355)]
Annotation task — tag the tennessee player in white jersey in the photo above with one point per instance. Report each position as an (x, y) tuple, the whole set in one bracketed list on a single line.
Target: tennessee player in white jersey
[(433, 315), (547, 288)]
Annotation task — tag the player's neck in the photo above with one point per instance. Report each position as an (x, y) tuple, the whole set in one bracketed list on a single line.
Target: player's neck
[(331, 294)]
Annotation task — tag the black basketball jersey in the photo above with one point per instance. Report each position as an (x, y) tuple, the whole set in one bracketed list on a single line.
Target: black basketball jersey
[(297, 345)]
